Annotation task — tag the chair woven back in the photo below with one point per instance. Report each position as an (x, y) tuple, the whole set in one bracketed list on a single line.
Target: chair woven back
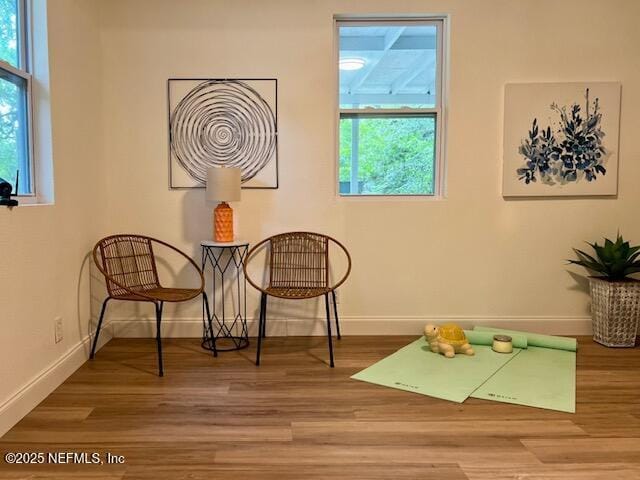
[(129, 260), (299, 260)]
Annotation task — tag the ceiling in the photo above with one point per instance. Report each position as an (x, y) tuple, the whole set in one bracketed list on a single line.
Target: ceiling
[(399, 68)]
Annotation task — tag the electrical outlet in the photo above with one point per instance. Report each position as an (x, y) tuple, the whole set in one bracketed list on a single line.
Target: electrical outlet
[(59, 333)]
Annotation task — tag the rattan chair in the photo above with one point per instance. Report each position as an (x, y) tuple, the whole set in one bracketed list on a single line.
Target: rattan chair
[(298, 267), (129, 267)]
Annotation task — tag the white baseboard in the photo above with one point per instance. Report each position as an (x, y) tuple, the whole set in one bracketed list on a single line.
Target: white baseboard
[(46, 381), (191, 327)]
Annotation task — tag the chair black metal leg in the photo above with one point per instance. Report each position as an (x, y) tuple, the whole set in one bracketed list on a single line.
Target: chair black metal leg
[(326, 304), (158, 338), (95, 338), (262, 321), (205, 299), (335, 311)]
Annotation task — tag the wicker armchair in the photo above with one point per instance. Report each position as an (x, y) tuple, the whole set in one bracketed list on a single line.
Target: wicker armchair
[(298, 267), (129, 267)]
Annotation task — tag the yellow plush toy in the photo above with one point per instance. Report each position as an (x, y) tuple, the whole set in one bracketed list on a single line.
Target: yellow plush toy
[(447, 339)]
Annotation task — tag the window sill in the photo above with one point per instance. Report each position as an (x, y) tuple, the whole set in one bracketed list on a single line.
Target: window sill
[(392, 198), (32, 201)]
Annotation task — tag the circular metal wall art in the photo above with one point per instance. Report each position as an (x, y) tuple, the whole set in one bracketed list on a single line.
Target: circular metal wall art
[(223, 123)]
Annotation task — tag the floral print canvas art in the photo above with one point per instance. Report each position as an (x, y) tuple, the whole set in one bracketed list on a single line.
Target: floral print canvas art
[(561, 139)]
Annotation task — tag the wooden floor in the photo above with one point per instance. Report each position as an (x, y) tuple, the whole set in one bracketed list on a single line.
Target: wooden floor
[(295, 418)]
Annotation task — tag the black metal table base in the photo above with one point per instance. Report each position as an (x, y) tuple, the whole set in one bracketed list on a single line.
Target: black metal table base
[(229, 333), (237, 343)]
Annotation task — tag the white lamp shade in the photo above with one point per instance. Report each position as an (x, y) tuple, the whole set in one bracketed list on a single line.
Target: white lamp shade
[(223, 184)]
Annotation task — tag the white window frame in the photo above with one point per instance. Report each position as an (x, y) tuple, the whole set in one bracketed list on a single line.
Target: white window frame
[(24, 72), (439, 111)]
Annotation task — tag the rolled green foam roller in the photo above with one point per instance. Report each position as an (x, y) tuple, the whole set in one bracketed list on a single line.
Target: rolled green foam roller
[(536, 339), (477, 337)]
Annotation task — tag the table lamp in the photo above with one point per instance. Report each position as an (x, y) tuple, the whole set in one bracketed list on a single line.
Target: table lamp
[(223, 185)]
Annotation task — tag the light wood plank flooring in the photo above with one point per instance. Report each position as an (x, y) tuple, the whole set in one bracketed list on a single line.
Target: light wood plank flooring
[(295, 418)]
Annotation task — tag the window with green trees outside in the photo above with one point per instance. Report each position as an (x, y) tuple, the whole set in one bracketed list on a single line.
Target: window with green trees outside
[(390, 100), (15, 101)]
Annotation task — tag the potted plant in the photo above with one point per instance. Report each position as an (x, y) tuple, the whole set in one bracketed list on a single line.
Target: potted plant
[(615, 298)]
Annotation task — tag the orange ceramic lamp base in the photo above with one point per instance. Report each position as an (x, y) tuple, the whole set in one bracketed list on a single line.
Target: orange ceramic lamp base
[(223, 223)]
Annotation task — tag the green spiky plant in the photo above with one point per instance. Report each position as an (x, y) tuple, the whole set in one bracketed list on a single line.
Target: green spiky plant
[(614, 260)]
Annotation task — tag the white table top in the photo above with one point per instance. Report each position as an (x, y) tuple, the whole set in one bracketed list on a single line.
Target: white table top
[(213, 243)]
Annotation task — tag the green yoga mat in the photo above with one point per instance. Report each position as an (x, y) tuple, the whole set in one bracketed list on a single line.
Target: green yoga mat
[(538, 376), (477, 337), (417, 369), (542, 376), (536, 339)]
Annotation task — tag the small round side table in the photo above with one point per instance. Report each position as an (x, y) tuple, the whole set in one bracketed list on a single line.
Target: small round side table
[(226, 261)]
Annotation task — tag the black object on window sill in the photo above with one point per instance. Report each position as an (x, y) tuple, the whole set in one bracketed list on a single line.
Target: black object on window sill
[(6, 190)]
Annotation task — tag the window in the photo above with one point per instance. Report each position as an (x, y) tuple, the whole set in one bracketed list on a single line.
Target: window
[(15, 97), (390, 106)]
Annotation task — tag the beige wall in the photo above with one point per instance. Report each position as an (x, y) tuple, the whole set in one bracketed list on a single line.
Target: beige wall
[(43, 273), (473, 254), (470, 255)]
